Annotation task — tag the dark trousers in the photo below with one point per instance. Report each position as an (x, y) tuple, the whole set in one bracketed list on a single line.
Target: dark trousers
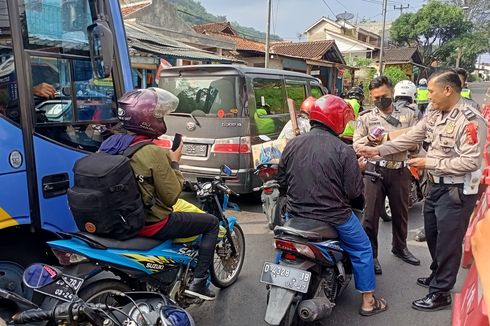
[(396, 185), (183, 225), (446, 215)]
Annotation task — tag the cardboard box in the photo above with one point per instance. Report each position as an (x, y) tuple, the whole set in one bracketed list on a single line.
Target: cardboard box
[(269, 152)]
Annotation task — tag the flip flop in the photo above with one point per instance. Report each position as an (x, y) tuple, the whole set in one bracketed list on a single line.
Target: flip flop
[(380, 305)]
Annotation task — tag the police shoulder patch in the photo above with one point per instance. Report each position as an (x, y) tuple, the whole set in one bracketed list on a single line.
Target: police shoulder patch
[(469, 114), (365, 111)]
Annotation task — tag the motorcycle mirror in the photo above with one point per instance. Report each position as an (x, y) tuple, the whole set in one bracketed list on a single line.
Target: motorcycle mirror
[(38, 275), (226, 170), (264, 138)]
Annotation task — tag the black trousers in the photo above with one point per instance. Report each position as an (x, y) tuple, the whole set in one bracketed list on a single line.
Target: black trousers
[(183, 225), (447, 212), (396, 185)]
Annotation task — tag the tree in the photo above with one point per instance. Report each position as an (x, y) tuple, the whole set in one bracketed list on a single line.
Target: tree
[(477, 11), (430, 28), (395, 74)]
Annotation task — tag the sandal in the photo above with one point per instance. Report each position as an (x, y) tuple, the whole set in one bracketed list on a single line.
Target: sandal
[(379, 306)]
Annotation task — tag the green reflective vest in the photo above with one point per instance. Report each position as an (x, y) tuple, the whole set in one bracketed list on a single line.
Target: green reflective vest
[(264, 125), (422, 96), (466, 93), (351, 126)]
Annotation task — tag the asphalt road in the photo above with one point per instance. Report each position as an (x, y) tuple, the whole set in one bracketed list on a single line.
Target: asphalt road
[(244, 303)]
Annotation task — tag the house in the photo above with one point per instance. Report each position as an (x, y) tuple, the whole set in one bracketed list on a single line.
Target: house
[(409, 59), (352, 41), (321, 59)]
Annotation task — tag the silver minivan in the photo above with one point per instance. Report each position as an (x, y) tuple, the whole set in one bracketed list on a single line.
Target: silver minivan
[(222, 111)]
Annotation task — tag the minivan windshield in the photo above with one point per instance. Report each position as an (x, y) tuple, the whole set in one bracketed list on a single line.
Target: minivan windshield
[(213, 96)]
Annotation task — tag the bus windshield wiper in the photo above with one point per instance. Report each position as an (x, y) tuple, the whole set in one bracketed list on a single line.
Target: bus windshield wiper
[(181, 114)]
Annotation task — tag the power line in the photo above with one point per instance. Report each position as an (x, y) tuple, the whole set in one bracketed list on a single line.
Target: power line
[(340, 3), (326, 4), (401, 7)]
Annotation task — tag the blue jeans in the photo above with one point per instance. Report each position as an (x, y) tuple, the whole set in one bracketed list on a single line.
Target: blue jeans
[(355, 242)]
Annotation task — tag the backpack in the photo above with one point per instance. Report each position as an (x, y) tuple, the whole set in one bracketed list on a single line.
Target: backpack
[(105, 199)]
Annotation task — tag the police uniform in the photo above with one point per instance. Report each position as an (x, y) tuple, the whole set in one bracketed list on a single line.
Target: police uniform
[(454, 160), (396, 177)]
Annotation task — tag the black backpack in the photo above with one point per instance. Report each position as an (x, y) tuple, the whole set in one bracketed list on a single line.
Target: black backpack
[(105, 199)]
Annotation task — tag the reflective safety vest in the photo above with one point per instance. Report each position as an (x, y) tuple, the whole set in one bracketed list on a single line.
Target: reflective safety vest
[(422, 96), (264, 125), (351, 126), (466, 93)]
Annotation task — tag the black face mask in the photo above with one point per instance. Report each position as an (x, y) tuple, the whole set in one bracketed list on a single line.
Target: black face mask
[(383, 103)]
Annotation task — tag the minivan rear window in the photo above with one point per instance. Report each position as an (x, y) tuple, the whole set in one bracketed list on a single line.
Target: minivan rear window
[(213, 96)]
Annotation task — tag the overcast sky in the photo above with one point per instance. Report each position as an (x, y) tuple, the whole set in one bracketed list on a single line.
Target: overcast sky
[(290, 17)]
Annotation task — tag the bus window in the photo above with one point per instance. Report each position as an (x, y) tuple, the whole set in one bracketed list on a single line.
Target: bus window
[(9, 105)]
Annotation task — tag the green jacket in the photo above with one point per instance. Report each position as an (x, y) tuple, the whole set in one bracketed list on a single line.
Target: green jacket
[(351, 126), (466, 93), (159, 180), (422, 96)]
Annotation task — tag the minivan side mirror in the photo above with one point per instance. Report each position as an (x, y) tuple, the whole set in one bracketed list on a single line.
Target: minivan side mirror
[(101, 46)]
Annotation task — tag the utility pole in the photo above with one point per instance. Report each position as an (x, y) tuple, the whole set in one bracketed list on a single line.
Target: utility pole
[(267, 36), (401, 8), (381, 54)]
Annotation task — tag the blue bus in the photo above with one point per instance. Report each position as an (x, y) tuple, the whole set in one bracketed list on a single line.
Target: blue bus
[(79, 48)]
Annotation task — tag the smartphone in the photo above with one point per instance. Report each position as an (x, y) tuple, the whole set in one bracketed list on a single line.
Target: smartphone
[(378, 131), (176, 142)]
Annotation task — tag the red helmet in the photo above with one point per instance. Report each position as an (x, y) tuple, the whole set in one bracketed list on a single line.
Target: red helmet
[(333, 112), (307, 104), (142, 110)]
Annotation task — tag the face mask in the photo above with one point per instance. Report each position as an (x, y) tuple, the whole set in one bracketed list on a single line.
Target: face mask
[(383, 103)]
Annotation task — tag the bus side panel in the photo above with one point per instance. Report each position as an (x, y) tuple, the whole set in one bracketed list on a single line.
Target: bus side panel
[(51, 159), (14, 200)]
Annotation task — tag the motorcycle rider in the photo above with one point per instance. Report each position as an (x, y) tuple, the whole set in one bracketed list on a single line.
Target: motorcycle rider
[(466, 92), (319, 164), (422, 96), (160, 181), (303, 120), (404, 96)]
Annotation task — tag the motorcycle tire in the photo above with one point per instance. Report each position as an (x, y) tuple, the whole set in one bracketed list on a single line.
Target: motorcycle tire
[(280, 211), (96, 292), (223, 261)]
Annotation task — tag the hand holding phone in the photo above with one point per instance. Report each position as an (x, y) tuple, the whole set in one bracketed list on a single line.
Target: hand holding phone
[(176, 142)]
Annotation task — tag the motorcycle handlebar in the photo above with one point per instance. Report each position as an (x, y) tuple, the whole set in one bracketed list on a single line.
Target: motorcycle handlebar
[(225, 189), (31, 316)]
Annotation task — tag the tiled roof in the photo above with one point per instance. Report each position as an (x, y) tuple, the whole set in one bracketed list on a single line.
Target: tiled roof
[(405, 54), (214, 28), (132, 8), (243, 43), (310, 50)]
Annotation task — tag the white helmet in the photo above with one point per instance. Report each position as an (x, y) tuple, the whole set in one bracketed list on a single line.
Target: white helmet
[(423, 82), (405, 88)]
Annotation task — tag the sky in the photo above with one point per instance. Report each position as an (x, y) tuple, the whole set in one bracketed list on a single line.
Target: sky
[(290, 17)]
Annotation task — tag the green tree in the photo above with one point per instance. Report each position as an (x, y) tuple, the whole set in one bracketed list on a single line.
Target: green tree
[(430, 28), (395, 74)]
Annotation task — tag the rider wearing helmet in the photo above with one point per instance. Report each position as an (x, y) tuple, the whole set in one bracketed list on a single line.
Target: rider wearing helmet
[(404, 96), (303, 120), (319, 164), (160, 181), (422, 96), (355, 96)]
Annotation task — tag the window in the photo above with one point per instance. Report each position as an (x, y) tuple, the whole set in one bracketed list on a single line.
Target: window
[(204, 96), (316, 91), (269, 95), (9, 99), (296, 91)]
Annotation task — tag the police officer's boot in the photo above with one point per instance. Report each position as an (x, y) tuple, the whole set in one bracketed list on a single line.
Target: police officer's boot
[(199, 288)]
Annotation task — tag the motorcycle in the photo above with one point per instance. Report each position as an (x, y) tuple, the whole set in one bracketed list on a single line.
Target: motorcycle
[(134, 308), (310, 272), (418, 187), (273, 203), (108, 265)]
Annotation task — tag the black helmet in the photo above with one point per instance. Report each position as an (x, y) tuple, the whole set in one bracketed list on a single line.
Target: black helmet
[(356, 92)]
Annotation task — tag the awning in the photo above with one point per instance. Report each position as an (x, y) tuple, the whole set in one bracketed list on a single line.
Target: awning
[(329, 64)]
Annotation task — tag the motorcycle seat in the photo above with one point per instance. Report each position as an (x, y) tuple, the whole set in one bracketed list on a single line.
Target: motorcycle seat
[(312, 230), (137, 243)]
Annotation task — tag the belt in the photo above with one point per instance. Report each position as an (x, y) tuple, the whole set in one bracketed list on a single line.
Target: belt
[(393, 165), (447, 180)]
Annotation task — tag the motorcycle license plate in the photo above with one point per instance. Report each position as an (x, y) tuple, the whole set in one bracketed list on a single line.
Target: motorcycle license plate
[(63, 289), (286, 277)]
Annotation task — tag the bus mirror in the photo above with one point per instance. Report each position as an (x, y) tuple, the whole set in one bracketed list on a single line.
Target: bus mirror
[(101, 48)]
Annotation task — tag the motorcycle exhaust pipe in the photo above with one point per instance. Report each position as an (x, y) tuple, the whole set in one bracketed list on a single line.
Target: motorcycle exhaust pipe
[(315, 309)]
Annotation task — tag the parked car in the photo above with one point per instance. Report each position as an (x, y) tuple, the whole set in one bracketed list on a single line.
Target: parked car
[(222, 111)]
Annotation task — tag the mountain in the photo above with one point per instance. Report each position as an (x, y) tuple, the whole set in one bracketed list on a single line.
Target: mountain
[(194, 13)]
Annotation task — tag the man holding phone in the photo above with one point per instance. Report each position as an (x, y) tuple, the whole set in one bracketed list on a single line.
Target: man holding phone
[(396, 177)]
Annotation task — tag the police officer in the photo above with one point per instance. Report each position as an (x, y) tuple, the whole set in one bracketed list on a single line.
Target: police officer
[(454, 161), (396, 177), (422, 96), (466, 92)]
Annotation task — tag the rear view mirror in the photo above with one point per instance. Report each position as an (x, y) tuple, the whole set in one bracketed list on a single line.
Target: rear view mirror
[(101, 46), (38, 275), (226, 170)]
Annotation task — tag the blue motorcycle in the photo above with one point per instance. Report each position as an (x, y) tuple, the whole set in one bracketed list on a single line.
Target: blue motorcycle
[(106, 266)]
